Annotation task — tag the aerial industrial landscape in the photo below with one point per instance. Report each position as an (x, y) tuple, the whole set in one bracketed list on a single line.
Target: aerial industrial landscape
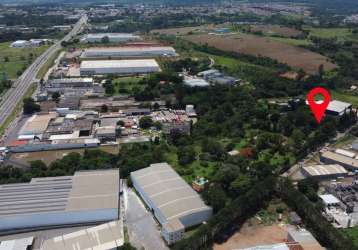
[(181, 125)]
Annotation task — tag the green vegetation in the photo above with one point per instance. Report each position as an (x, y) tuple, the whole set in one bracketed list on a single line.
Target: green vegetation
[(13, 61), (330, 32), (17, 109), (345, 96), (127, 85), (352, 234)]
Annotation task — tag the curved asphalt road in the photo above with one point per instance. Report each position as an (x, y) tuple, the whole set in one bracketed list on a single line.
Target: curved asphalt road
[(15, 94)]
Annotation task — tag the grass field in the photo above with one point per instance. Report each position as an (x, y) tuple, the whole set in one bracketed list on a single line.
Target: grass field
[(18, 59), (330, 32), (352, 233), (125, 85), (345, 97)]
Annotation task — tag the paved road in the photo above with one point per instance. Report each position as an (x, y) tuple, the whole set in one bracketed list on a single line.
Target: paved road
[(143, 231), (22, 84)]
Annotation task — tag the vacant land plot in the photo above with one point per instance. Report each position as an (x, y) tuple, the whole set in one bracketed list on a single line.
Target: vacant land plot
[(126, 85), (294, 56), (330, 32), (188, 30), (50, 156), (276, 30), (14, 60), (251, 235)]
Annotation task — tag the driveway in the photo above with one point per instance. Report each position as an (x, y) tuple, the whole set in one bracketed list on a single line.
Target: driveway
[(143, 230)]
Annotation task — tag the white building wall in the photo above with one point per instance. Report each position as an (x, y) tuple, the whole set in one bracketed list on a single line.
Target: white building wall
[(57, 218), (196, 218), (118, 70)]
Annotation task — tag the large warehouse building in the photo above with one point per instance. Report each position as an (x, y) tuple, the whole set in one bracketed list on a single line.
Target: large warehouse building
[(120, 52), (86, 197), (124, 67), (330, 157), (112, 37), (174, 203), (325, 171)]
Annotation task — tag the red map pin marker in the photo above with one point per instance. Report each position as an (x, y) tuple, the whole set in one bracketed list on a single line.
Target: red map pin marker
[(318, 109)]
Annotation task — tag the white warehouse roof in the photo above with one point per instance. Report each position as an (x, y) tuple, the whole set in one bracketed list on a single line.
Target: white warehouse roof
[(112, 35), (329, 199), (171, 198), (338, 106), (102, 237), (322, 170), (119, 66), (142, 51), (17, 244), (88, 196)]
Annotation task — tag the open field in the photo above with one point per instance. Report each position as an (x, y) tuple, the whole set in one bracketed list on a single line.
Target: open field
[(50, 156), (125, 85), (251, 235), (330, 32), (294, 56), (276, 30), (18, 59), (292, 41), (345, 97)]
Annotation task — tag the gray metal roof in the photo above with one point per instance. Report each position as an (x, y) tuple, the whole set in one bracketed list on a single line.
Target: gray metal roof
[(168, 191), (85, 190)]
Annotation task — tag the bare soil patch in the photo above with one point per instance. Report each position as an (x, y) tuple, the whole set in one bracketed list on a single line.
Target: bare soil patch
[(253, 235), (294, 56)]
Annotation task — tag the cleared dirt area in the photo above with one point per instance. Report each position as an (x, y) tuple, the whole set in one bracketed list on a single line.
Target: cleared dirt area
[(276, 30), (295, 57), (254, 235), (50, 156)]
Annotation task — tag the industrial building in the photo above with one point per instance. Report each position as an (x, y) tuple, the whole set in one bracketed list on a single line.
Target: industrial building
[(112, 37), (86, 197), (35, 126), (174, 203), (338, 108), (17, 244), (122, 67), (324, 171), (196, 82), (347, 162), (106, 236), (70, 83), (127, 52)]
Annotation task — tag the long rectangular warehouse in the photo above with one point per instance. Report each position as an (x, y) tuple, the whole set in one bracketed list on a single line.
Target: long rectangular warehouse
[(86, 197), (124, 67), (174, 203), (349, 163), (118, 52), (110, 37)]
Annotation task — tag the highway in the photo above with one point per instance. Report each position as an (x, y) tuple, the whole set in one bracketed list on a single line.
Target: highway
[(23, 83)]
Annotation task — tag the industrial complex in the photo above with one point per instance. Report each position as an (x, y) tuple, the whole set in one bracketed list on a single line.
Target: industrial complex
[(112, 37), (86, 197), (124, 67), (128, 51), (174, 203)]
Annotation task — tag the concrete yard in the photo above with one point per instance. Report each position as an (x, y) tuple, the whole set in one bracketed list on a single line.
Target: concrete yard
[(143, 230)]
